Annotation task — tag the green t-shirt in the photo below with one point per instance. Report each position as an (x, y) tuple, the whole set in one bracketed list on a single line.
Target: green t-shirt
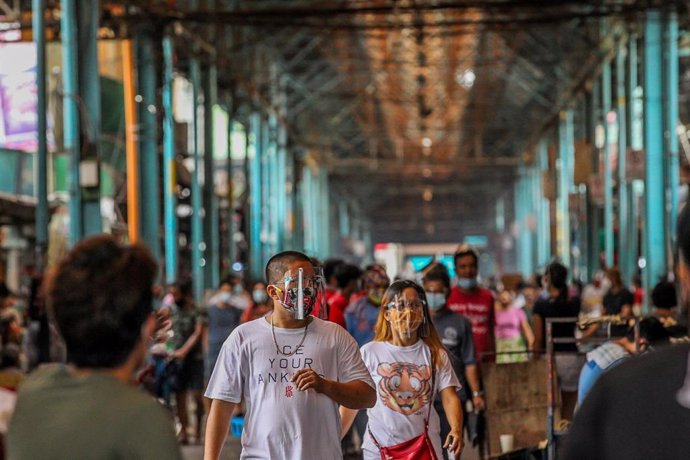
[(62, 416)]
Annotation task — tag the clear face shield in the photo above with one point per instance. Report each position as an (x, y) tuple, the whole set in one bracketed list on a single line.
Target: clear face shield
[(406, 315), (303, 293)]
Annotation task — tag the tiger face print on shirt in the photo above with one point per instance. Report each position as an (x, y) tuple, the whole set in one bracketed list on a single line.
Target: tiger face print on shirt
[(404, 387)]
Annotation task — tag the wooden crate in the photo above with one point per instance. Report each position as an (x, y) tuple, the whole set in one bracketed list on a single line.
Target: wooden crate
[(515, 403)]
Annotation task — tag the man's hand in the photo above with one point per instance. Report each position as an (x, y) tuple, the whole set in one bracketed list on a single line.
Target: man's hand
[(308, 378), (478, 403), (454, 442), (179, 354)]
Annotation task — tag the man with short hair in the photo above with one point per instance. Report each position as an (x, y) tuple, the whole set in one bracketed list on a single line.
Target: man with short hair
[(292, 370), (473, 301), (347, 278), (455, 332), (362, 313), (640, 409), (100, 298)]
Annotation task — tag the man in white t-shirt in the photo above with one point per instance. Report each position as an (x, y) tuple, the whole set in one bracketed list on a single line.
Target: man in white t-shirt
[(292, 374)]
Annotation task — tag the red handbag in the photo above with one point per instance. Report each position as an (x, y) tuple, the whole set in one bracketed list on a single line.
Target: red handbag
[(417, 448)]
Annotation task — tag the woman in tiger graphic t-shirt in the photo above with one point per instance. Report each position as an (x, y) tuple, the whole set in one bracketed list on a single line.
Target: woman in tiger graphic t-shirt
[(400, 359)]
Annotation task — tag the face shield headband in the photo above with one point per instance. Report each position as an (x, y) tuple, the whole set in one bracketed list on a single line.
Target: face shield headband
[(301, 293), (406, 316)]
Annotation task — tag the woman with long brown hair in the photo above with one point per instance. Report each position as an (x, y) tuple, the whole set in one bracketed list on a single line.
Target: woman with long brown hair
[(409, 366)]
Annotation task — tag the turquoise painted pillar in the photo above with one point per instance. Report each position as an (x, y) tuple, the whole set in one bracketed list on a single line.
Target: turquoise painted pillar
[(81, 86), (231, 225), (655, 231), (624, 248), (255, 201), (536, 198), (308, 225), (198, 245), (276, 190), (282, 191), (266, 186), (565, 181), (39, 34), (593, 208), (211, 222), (147, 134), (609, 243), (325, 221), (670, 49), (544, 227), (635, 188), (169, 176), (523, 210)]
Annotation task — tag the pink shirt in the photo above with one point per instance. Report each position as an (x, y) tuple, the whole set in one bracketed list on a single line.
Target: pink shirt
[(509, 322)]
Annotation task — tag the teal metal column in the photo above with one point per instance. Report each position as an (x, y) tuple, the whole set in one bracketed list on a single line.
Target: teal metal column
[(624, 248), (39, 33), (266, 187), (523, 210), (282, 185), (70, 85), (197, 201), (536, 197), (308, 225), (593, 210), (670, 48), (211, 207), (149, 169), (608, 173), (544, 228), (325, 221), (655, 248), (635, 188), (169, 176), (232, 228), (90, 91), (277, 191), (565, 180), (255, 202)]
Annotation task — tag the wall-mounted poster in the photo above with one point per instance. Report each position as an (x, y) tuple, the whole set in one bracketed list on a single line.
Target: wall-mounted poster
[(18, 97)]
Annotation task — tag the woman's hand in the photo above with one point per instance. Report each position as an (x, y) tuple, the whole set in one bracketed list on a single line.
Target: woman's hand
[(455, 442)]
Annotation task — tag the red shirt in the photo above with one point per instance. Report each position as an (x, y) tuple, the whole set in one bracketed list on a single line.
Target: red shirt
[(478, 306), (336, 313)]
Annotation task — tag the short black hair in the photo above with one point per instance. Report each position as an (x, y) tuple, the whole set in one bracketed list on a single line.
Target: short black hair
[(652, 330), (664, 295), (278, 264), (330, 266), (345, 273), (437, 272), (99, 297), (465, 250), (558, 276)]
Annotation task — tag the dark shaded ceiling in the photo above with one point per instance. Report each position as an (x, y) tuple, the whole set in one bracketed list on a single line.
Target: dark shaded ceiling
[(422, 110)]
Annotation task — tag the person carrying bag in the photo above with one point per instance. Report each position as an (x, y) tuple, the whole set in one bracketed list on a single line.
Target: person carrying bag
[(409, 365)]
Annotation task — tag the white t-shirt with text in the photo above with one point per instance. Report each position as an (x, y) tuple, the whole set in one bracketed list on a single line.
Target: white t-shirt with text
[(281, 421), (403, 389)]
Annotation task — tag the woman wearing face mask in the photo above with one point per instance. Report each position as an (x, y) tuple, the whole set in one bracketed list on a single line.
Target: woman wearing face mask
[(513, 332), (261, 305), (410, 367), (223, 318)]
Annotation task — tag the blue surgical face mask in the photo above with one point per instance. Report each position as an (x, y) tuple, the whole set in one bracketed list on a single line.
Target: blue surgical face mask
[(467, 283), (435, 300), (259, 295)]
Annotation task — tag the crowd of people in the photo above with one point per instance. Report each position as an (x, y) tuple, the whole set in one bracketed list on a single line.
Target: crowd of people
[(387, 361)]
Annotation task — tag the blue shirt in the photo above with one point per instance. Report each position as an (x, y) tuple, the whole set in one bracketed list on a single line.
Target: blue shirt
[(360, 318)]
